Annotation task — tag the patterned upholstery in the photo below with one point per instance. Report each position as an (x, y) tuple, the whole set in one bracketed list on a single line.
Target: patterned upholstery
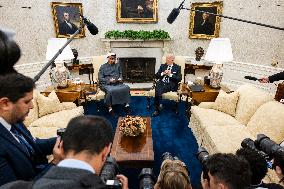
[(97, 62), (221, 132), (46, 126)]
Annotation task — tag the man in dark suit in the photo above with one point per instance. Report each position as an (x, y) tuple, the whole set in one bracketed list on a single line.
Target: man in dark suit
[(169, 75), (21, 155), (86, 145), (206, 27), (272, 78), (66, 27)]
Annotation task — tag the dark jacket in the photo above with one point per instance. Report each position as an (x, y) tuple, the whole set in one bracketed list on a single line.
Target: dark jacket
[(276, 77), (61, 178), (15, 163), (176, 77), (64, 28)]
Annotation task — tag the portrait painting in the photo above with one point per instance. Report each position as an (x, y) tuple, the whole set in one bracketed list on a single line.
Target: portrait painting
[(204, 25), (136, 11), (67, 19)]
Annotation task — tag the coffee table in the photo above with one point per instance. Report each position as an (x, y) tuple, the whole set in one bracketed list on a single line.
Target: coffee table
[(134, 152)]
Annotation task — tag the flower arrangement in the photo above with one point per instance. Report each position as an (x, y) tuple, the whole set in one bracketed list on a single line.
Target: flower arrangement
[(199, 52), (132, 125), (132, 34)]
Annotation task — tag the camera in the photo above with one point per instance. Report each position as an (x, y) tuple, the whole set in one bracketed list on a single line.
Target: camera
[(268, 146), (168, 155), (60, 132), (202, 155), (146, 178), (109, 172), (262, 145)]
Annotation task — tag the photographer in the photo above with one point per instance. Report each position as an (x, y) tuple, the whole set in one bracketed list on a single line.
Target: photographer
[(226, 171), (86, 144), (278, 165), (173, 175), (258, 166)]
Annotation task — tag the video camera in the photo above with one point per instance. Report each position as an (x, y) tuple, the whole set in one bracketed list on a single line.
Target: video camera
[(60, 132), (264, 146), (109, 172), (146, 179), (202, 156)]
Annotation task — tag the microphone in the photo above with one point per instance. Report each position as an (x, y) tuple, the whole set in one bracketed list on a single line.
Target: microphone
[(252, 78), (91, 27), (175, 12)]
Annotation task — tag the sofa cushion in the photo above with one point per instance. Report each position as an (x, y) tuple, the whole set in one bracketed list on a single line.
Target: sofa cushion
[(48, 105), (68, 105), (226, 138), (33, 113), (43, 132), (250, 99), (268, 120), (226, 102), (212, 117), (58, 119)]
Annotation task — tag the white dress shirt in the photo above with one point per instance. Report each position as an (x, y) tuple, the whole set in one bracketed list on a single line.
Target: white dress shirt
[(8, 127), (76, 164)]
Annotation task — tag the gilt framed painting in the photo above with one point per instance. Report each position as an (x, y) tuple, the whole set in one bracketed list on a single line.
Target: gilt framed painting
[(204, 22), (136, 11), (67, 19)]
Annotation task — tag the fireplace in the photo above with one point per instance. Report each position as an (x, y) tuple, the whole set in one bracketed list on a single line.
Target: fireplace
[(138, 70)]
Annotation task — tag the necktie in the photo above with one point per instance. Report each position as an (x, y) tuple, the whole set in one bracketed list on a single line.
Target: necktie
[(167, 78), (28, 148)]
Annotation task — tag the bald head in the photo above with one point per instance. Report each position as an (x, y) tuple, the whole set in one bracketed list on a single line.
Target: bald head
[(170, 58)]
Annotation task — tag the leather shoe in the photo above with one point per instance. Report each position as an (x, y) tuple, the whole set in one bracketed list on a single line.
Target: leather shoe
[(127, 110), (111, 112), (156, 113)]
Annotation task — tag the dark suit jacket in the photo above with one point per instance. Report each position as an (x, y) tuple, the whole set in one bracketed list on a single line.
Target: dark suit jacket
[(61, 178), (175, 79), (207, 28), (15, 163), (64, 28), (276, 77)]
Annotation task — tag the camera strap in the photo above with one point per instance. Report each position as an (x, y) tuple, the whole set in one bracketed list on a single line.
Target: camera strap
[(281, 180)]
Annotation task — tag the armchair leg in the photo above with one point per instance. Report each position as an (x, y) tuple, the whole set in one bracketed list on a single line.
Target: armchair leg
[(177, 105), (148, 102)]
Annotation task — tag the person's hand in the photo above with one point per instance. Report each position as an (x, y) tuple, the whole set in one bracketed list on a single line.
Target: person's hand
[(112, 80), (124, 180), (58, 153), (264, 80), (204, 182)]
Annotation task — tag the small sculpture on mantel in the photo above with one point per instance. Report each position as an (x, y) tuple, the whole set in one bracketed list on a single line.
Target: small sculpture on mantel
[(199, 52)]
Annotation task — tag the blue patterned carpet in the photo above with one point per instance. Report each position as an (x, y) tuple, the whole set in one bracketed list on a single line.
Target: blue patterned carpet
[(170, 133)]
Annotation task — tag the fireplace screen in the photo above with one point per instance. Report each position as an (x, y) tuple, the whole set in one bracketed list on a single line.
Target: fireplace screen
[(138, 70)]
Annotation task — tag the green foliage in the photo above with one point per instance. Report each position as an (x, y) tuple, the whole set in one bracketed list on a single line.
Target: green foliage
[(131, 34)]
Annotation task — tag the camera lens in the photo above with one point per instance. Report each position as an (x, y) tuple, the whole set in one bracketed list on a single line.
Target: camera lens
[(267, 145), (146, 178), (167, 155), (110, 169), (202, 155)]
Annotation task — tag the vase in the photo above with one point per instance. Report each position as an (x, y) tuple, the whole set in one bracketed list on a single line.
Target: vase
[(216, 74), (59, 75)]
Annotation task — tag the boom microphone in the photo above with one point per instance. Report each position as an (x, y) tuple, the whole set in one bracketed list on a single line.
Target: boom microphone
[(175, 12), (252, 78), (91, 27)]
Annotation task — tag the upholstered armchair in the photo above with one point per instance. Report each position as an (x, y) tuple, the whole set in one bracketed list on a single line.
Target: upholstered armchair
[(97, 62), (172, 95)]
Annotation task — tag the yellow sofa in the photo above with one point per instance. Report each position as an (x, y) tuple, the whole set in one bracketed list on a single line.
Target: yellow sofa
[(256, 113), (49, 114)]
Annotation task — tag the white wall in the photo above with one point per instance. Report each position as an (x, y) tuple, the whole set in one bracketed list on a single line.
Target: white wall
[(251, 44)]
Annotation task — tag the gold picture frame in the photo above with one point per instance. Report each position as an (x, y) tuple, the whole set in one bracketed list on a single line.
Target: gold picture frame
[(202, 25), (139, 11), (67, 19)]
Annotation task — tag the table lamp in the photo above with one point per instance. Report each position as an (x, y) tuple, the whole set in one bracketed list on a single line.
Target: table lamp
[(59, 73), (218, 52)]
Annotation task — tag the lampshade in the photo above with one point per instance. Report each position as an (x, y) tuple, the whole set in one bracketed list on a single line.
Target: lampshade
[(219, 50), (53, 45)]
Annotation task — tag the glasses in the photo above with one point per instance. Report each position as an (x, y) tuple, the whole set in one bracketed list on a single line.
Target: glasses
[(111, 58)]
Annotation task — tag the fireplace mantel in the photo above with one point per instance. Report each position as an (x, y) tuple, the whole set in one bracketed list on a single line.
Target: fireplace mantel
[(165, 44)]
